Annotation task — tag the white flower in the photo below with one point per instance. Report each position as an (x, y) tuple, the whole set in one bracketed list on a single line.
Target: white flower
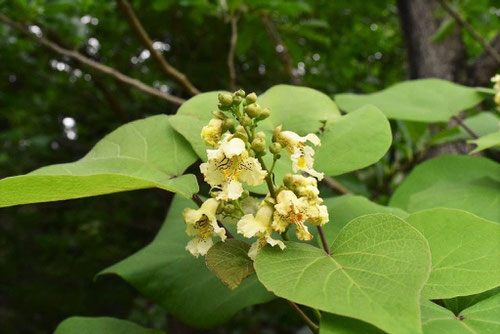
[(291, 210), (212, 132), (229, 164), (300, 153), (202, 224), (260, 226)]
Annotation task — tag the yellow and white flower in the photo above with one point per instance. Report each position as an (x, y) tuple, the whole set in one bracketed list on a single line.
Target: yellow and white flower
[(212, 132), (260, 226), (303, 186), (291, 210), (300, 153), (496, 87), (230, 164), (202, 225)]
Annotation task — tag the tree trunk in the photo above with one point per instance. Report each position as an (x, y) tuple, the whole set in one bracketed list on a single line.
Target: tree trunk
[(428, 59)]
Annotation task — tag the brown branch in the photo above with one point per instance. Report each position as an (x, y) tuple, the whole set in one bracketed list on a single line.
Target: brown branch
[(314, 328), (336, 186), (462, 22), (232, 47), (285, 56), (324, 243), (485, 66), (465, 127), (143, 36), (91, 63)]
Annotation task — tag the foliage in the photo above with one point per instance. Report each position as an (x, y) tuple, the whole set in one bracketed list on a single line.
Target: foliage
[(413, 250)]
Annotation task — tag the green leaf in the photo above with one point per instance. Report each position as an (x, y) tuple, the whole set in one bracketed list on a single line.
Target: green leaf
[(485, 142), (143, 154), (343, 209), (354, 141), (479, 318), (464, 252), (378, 266), (424, 100), (458, 304), (337, 324), (454, 181), (101, 325), (167, 274), (482, 124), (229, 262)]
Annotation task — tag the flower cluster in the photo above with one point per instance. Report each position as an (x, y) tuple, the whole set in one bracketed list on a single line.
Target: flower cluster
[(496, 87), (235, 159)]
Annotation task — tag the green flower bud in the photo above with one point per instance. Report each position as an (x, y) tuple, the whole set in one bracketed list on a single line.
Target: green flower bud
[(245, 120), (253, 110), (237, 100), (225, 99), (288, 180), (245, 194), (223, 108), (261, 134), (240, 93), (276, 132), (251, 152), (265, 113), (240, 133), (229, 208), (219, 114), (275, 148), (228, 124), (259, 145), (251, 98)]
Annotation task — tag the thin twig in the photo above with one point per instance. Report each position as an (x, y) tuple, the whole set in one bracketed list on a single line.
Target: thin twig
[(232, 47), (199, 202), (314, 328), (281, 48), (323, 240), (462, 22), (143, 36), (91, 63), (336, 185), (466, 128)]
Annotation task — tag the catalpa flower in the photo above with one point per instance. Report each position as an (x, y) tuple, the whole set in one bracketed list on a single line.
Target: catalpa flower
[(230, 164), (260, 226), (291, 210), (212, 132), (202, 225), (300, 153)]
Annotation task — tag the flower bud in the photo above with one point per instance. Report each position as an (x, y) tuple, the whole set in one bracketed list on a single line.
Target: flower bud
[(261, 134), (241, 133), (275, 148), (259, 145), (225, 99), (265, 113), (229, 208), (276, 133), (251, 152), (237, 100), (245, 120), (228, 124), (253, 110), (288, 180), (251, 98), (223, 107), (219, 114), (240, 93), (245, 194)]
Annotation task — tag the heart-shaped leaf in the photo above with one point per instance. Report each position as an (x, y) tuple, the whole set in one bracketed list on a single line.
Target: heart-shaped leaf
[(142, 154), (479, 318), (424, 100), (343, 209), (168, 274), (454, 181), (465, 252), (354, 141), (229, 262), (378, 266), (101, 325)]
